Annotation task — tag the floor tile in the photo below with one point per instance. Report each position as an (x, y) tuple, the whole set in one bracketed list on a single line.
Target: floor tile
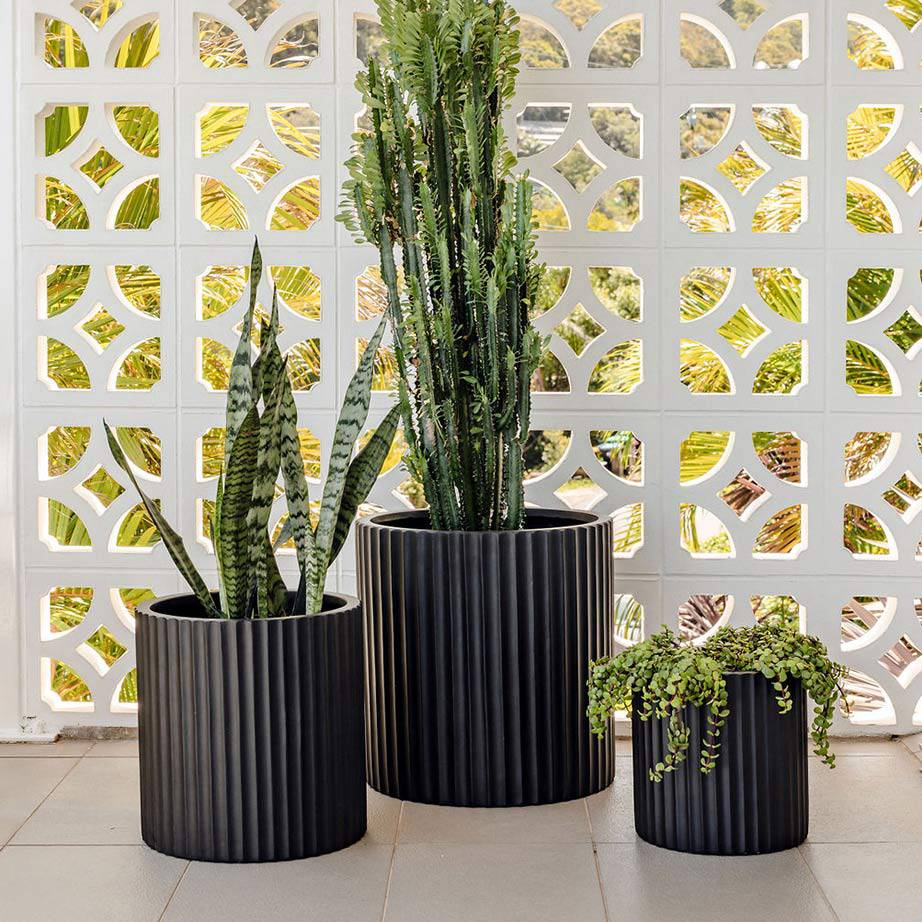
[(349, 885), (611, 812), (383, 815), (868, 881), (866, 799), (486, 883), (545, 825), (86, 884), (112, 749), (62, 749), (647, 884), (24, 784), (97, 804)]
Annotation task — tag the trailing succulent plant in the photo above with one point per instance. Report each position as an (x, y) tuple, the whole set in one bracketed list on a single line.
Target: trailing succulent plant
[(432, 183), (669, 675), (261, 440)]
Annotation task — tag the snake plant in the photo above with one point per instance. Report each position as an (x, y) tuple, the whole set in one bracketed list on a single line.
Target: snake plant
[(261, 441), (432, 183)]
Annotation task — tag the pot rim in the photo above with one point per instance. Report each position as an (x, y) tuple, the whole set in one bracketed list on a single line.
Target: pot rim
[(345, 603), (574, 518)]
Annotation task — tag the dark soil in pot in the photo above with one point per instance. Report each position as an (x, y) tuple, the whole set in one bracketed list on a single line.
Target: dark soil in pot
[(251, 732), (477, 651)]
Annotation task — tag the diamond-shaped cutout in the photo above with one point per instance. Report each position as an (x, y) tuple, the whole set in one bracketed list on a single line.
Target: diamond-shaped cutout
[(101, 650), (906, 168), (743, 331), (579, 329), (97, 11), (100, 489), (743, 12), (100, 329), (580, 491), (744, 494), (256, 12), (258, 165), (579, 12), (906, 332), (578, 167), (743, 167), (905, 496), (100, 167)]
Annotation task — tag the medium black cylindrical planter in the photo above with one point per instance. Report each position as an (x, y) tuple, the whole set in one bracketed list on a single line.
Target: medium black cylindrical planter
[(754, 801), (251, 732), (477, 650)]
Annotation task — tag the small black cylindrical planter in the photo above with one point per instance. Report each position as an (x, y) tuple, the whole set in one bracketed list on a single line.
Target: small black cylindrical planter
[(251, 732), (754, 801), (477, 650)]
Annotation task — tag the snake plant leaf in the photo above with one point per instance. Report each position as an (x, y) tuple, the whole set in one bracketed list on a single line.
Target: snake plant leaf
[(172, 541), (240, 387), (270, 359), (263, 495), (352, 418), (269, 593), (298, 524), (361, 477), (233, 531)]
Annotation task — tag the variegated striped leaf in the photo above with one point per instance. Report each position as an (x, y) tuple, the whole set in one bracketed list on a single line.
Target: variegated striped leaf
[(240, 387), (172, 541), (352, 418), (234, 534), (263, 494), (361, 477)]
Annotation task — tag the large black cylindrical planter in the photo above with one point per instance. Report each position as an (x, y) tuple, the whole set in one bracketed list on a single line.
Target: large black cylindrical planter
[(251, 732), (754, 801), (477, 650)]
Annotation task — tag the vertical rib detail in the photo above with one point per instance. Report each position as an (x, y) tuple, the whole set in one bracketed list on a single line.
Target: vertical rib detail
[(754, 801), (477, 651), (251, 732)]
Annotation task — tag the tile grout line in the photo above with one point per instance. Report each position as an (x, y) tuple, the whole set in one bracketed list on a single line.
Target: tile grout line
[(390, 870), (38, 806), (595, 860), (819, 886), (182, 877)]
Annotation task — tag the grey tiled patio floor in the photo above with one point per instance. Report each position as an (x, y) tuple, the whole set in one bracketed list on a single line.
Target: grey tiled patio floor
[(70, 849)]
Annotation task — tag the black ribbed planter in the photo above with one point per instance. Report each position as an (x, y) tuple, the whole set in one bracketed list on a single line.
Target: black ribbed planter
[(755, 800), (251, 732), (477, 651)]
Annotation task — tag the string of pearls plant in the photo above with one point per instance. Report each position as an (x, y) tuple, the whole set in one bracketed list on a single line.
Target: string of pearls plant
[(668, 675)]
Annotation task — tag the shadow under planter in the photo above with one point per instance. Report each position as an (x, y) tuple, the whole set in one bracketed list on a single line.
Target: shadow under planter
[(756, 798), (477, 651), (251, 732)]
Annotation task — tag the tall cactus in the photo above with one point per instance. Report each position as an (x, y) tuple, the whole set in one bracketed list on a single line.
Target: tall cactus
[(431, 184)]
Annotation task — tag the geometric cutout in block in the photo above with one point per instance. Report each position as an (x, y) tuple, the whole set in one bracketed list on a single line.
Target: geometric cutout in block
[(742, 331), (702, 534), (100, 167), (579, 329), (743, 494), (257, 166), (743, 167), (100, 489), (620, 45), (100, 329), (578, 167)]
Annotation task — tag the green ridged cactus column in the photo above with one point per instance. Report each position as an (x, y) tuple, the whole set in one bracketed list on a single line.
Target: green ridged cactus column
[(432, 187)]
